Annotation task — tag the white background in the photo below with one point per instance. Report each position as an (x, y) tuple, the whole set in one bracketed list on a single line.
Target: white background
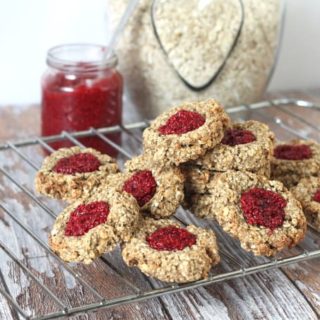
[(29, 28)]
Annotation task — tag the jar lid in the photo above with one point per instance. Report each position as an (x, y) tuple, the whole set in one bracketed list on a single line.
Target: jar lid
[(81, 57)]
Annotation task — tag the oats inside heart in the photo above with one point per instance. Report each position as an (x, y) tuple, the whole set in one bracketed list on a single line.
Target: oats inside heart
[(193, 35)]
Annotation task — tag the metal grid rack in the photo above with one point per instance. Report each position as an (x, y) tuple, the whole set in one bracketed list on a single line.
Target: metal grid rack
[(287, 114)]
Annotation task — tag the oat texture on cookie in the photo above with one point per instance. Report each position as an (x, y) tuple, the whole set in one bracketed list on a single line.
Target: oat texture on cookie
[(246, 146), (165, 250), (72, 173), (262, 214), (158, 190), (308, 193), (185, 132), (197, 180), (295, 160), (88, 228)]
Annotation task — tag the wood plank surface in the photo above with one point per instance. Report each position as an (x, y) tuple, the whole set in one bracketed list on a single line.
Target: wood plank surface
[(289, 293)]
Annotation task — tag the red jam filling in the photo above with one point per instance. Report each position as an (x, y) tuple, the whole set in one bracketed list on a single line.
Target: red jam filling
[(263, 208), (316, 196), (182, 122), (293, 152), (86, 217), (233, 137), (171, 238), (77, 163), (142, 186), (80, 102)]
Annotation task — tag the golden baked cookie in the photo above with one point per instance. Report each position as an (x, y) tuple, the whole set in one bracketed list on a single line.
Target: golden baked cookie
[(185, 132), (295, 160), (246, 146), (72, 173), (262, 214), (169, 252), (88, 228), (308, 193), (159, 190)]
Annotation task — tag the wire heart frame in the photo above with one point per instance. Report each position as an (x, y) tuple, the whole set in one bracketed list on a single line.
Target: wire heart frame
[(219, 69)]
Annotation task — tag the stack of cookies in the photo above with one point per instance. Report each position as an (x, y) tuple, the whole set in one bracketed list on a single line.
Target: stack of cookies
[(193, 155), (230, 184)]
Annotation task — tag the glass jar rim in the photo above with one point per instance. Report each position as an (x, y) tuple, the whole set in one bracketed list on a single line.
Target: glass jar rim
[(81, 57)]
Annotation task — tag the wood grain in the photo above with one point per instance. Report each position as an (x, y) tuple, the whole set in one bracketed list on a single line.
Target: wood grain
[(289, 293)]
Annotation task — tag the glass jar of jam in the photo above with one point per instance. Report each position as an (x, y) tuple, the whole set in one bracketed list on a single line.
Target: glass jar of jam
[(81, 89)]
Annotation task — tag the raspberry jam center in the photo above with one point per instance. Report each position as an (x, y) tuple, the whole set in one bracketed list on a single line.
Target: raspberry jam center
[(86, 217), (182, 122), (142, 186), (316, 196), (233, 137), (263, 208), (77, 163), (171, 238), (293, 152)]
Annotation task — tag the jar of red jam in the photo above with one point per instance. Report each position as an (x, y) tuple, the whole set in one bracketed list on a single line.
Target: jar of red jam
[(81, 89)]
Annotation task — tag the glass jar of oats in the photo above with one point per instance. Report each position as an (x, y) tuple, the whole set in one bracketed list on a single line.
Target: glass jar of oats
[(177, 50)]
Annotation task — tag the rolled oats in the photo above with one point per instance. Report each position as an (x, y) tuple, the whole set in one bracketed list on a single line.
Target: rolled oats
[(151, 81)]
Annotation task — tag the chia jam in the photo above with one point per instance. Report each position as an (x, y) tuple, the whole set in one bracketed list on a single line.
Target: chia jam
[(86, 217), (142, 186), (77, 163), (81, 90), (293, 152), (233, 137), (316, 196), (263, 207), (182, 122), (171, 238)]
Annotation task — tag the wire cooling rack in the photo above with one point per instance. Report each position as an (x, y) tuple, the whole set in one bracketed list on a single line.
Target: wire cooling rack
[(287, 117)]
